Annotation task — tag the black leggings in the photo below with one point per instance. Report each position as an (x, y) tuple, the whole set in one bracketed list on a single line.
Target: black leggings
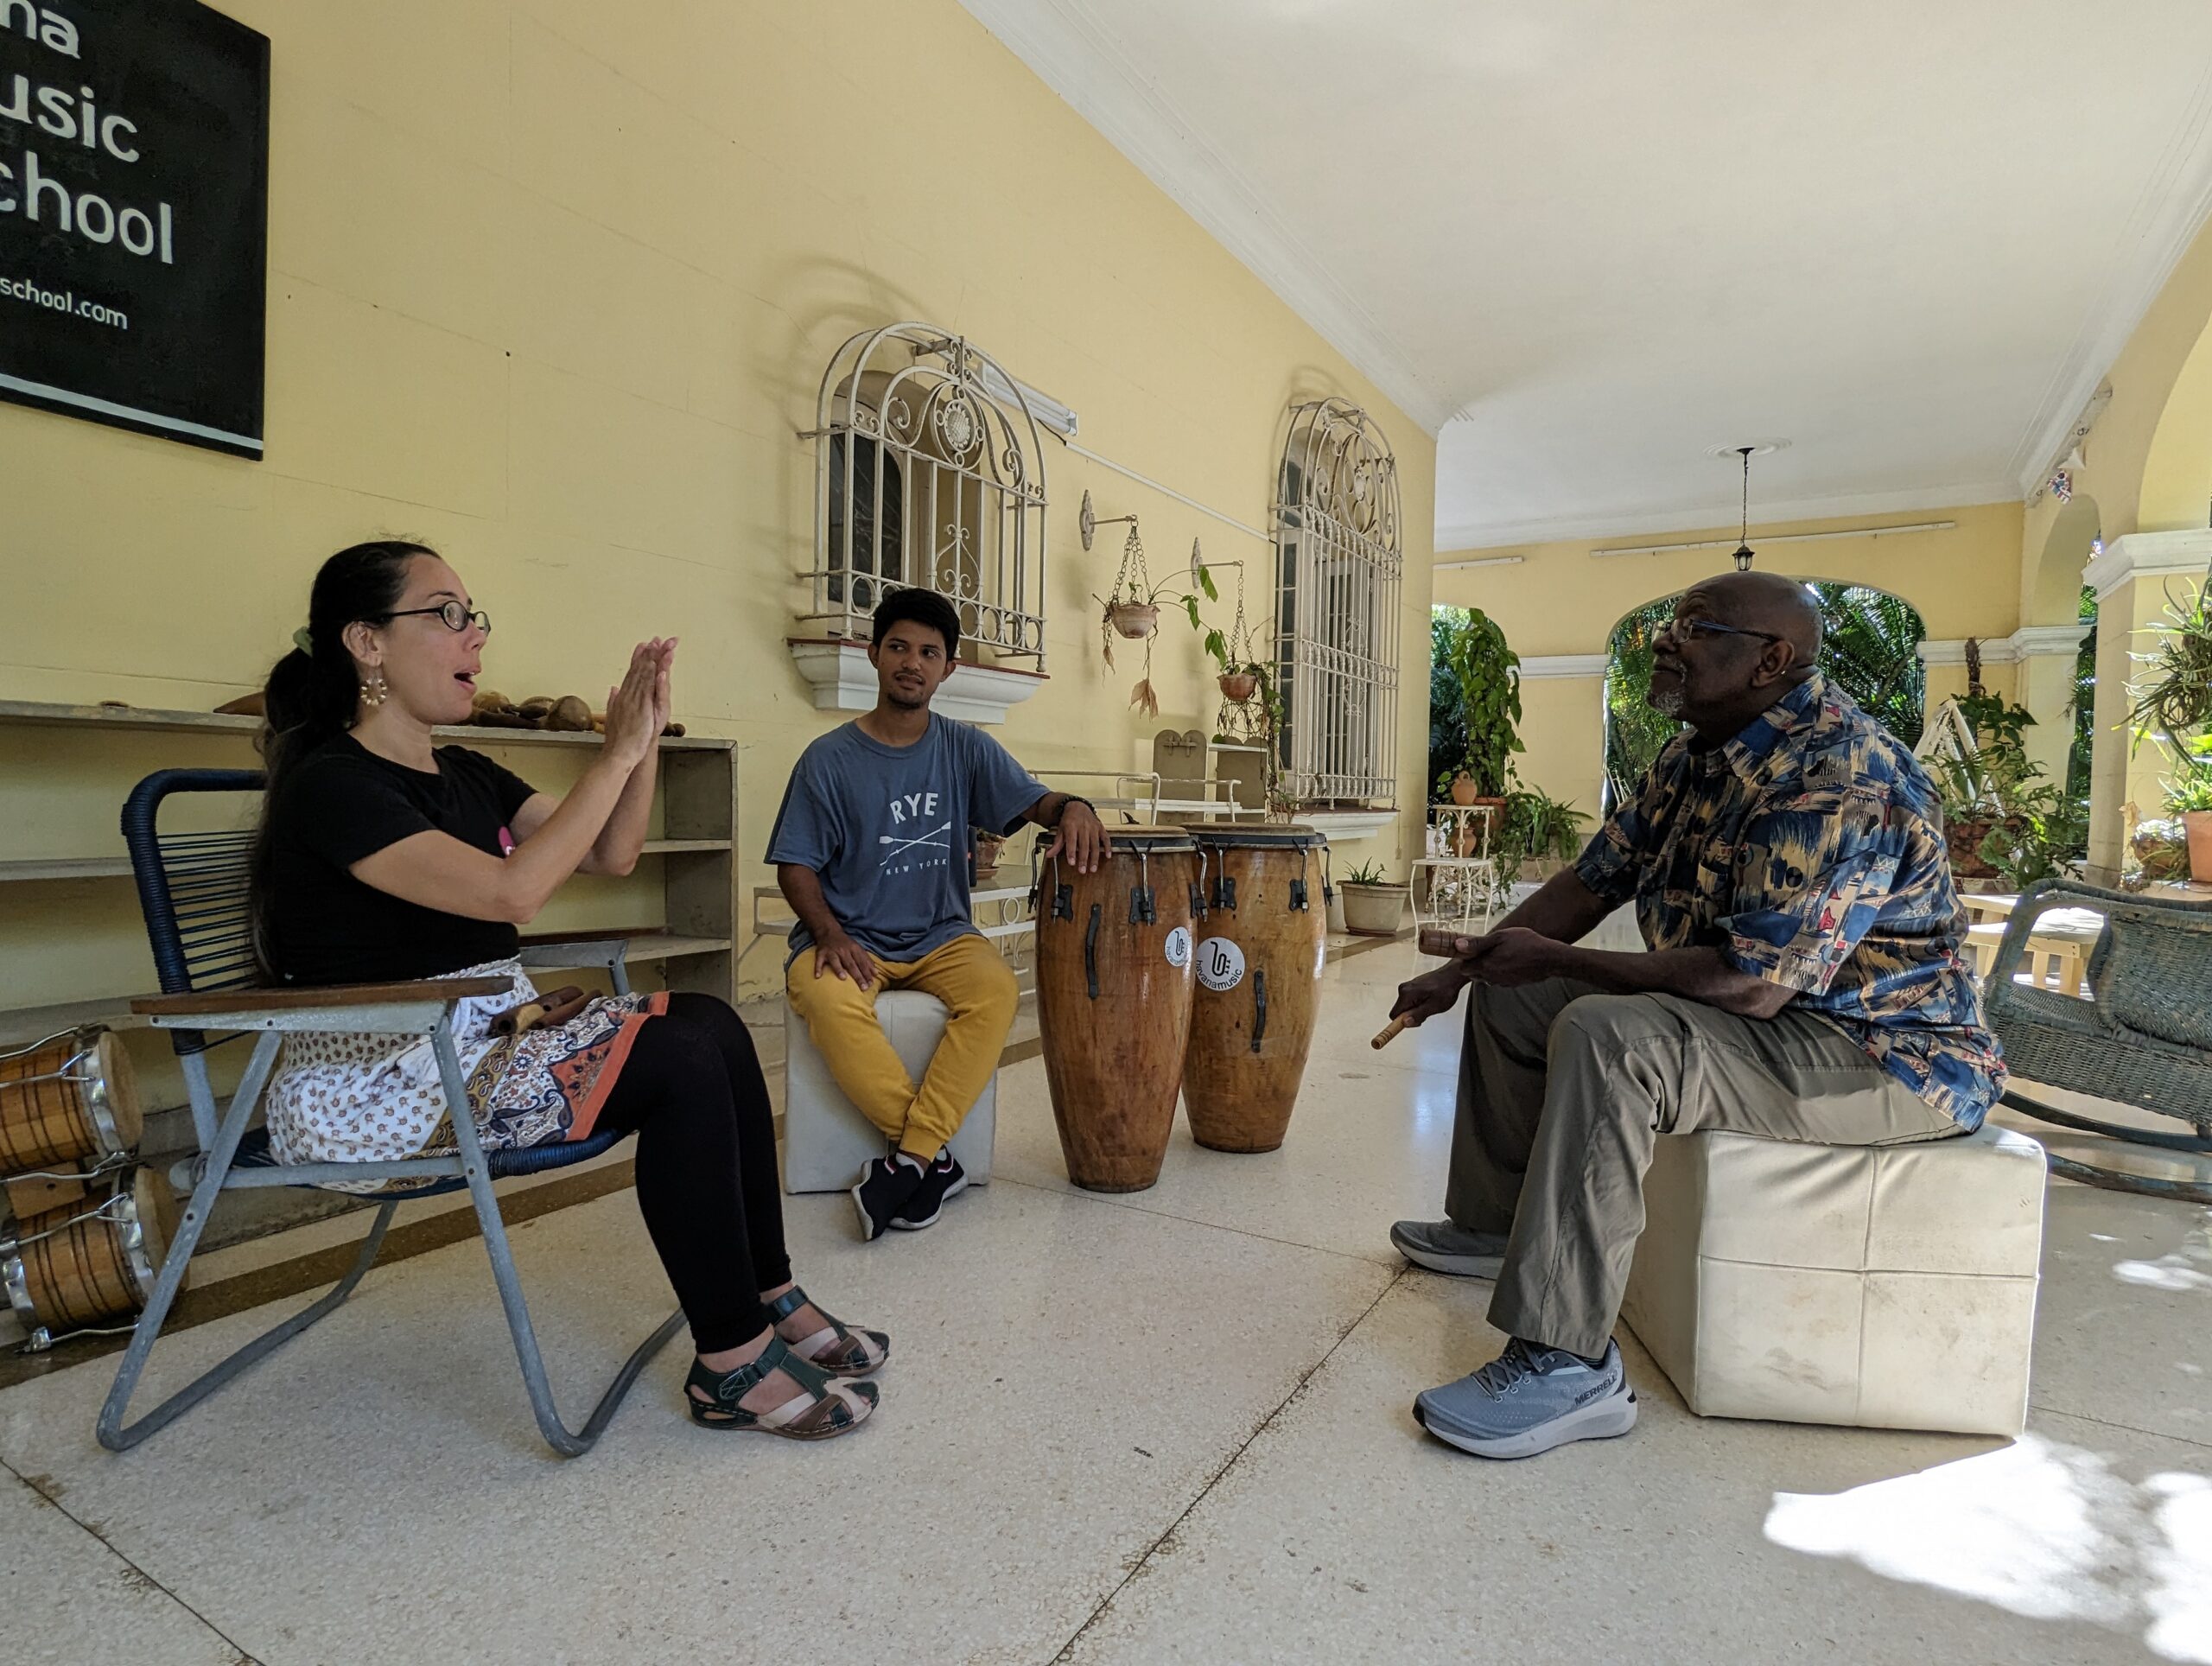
[(691, 1090)]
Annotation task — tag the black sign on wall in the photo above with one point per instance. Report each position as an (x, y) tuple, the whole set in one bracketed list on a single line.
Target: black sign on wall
[(134, 216)]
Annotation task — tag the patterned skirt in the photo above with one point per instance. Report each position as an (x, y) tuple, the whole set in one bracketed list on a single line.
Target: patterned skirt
[(377, 1098)]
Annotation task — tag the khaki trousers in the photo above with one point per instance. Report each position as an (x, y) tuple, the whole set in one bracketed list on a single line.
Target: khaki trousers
[(1563, 1091)]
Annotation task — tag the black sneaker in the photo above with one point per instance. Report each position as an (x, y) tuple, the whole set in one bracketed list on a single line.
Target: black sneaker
[(886, 1187), (943, 1179)]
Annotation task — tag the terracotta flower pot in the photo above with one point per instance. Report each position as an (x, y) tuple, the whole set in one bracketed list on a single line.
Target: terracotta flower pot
[(1135, 619), (1463, 788), (1237, 687), (1963, 836), (2198, 824)]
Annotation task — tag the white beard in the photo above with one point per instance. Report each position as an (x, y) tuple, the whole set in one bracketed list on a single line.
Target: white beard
[(1668, 703)]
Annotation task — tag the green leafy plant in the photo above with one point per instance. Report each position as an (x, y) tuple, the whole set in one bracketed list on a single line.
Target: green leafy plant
[(1367, 872), (2041, 837), (1534, 827), (2190, 791), (1485, 681)]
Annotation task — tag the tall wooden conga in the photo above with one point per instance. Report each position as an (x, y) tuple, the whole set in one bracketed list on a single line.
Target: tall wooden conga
[(1113, 1001), (1258, 982), (68, 1098)]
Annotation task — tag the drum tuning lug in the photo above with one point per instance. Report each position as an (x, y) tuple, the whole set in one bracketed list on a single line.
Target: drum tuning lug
[(1064, 902), (1224, 893), (1198, 902), (1142, 911), (1298, 903)]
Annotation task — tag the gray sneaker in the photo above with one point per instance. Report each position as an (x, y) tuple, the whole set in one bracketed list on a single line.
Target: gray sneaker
[(1444, 1247), (1529, 1400)]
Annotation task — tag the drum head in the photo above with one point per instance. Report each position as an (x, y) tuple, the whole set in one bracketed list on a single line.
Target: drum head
[(155, 1204), (114, 1095), (1153, 840), (1254, 836)]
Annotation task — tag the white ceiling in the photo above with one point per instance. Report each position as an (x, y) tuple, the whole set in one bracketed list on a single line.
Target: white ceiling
[(1593, 238)]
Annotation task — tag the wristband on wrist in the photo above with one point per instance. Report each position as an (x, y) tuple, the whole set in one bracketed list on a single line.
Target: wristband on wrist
[(1071, 798)]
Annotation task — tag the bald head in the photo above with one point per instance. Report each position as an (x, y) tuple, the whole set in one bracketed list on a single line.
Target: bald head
[(1770, 603)]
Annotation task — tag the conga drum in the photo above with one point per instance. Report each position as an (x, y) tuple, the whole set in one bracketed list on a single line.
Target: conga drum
[(68, 1099), (1258, 982), (91, 1262), (1113, 1001)]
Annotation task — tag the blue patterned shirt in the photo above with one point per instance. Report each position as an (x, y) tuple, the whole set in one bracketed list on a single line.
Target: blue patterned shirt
[(1810, 850)]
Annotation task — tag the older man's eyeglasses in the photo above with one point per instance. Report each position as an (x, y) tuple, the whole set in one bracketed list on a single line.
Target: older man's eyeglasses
[(454, 615), (1705, 629)]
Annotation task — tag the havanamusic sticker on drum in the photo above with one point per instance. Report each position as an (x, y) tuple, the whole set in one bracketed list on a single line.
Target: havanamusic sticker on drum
[(134, 187)]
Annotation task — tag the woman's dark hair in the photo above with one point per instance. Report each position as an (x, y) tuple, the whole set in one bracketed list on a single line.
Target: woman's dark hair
[(923, 608), (314, 690)]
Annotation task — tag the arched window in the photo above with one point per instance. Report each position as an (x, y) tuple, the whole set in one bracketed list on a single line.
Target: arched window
[(1337, 564), (1870, 651), (928, 474)]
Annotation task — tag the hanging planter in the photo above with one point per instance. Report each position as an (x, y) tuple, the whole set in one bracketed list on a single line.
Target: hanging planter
[(1133, 620), (1237, 687)]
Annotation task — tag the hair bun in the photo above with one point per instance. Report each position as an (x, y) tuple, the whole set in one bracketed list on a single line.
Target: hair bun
[(303, 642)]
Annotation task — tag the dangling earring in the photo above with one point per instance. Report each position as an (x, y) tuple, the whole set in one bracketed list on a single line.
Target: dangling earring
[(374, 689)]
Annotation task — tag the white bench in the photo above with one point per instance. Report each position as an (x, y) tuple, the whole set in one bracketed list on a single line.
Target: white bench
[(1889, 1287)]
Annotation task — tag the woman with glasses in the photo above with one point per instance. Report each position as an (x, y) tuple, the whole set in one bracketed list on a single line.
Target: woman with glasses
[(385, 858)]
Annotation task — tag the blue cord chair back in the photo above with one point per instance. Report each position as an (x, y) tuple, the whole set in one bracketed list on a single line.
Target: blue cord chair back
[(193, 888)]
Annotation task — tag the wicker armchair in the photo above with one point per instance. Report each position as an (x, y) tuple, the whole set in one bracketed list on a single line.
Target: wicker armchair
[(2144, 1038)]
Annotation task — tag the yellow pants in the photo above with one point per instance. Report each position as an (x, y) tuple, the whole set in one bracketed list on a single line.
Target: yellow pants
[(980, 995)]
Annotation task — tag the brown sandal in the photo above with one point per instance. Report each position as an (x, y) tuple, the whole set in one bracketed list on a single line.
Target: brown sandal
[(837, 1349), (821, 1410)]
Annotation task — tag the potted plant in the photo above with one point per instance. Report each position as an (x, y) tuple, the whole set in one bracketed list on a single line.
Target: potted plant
[(987, 847), (2189, 795), (1373, 906), (1535, 828), (2173, 706), (1239, 685), (1131, 610), (1486, 675), (1988, 789)]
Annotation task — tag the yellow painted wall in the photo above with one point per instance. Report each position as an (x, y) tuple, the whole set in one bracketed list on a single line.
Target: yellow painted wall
[(551, 286), (1561, 600)]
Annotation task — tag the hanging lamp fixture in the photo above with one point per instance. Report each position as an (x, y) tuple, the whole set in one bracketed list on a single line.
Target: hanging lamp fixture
[(1743, 531)]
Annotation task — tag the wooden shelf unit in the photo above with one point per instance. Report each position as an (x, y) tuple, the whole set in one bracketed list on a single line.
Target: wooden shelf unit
[(694, 946)]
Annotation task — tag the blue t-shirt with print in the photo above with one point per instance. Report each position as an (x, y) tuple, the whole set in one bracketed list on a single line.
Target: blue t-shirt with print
[(886, 829)]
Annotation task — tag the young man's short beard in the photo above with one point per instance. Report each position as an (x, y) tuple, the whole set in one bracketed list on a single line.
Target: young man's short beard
[(903, 702)]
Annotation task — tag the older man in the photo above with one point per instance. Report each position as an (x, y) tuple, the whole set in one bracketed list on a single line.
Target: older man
[(1803, 981)]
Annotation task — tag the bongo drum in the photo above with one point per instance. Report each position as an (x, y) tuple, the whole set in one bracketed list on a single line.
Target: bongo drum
[(89, 1262), (1258, 982), (1113, 1001), (66, 1098)]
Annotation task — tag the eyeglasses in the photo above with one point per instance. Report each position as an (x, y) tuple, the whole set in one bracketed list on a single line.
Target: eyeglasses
[(1701, 628), (452, 614)]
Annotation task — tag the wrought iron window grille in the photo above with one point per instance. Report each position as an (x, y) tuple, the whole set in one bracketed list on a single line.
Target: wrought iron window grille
[(1338, 566), (927, 477)]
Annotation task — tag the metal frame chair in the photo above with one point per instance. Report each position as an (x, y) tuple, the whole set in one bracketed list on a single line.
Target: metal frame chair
[(192, 889), (2144, 1037)]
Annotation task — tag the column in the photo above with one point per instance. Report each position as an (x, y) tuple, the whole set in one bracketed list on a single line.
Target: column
[(2133, 580)]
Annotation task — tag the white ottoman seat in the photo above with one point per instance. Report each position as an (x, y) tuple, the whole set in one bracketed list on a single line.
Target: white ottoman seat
[(1885, 1287), (826, 1139)]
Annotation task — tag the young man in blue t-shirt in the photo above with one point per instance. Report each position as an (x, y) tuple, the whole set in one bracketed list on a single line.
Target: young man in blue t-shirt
[(871, 851)]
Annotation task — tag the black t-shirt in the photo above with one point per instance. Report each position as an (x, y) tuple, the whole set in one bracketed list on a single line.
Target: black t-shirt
[(345, 803)]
